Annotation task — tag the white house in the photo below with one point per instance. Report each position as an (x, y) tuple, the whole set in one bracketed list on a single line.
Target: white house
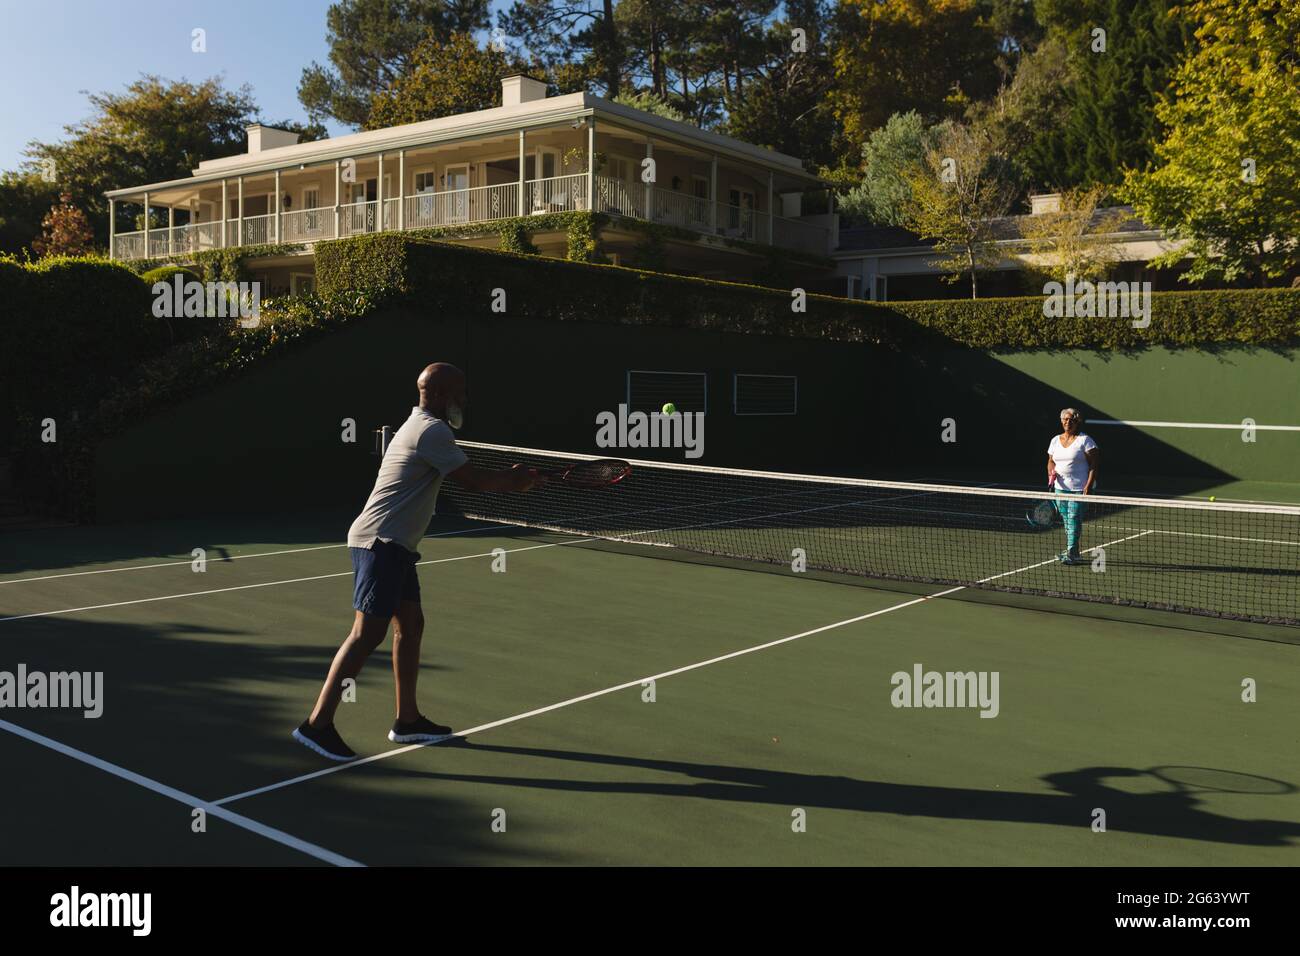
[(526, 157), (885, 263)]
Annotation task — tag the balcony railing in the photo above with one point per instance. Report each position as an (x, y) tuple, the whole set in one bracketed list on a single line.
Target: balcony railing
[(558, 194), (484, 204), (617, 196), (307, 225), (258, 229)]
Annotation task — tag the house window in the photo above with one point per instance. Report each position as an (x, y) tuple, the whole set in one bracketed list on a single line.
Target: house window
[(424, 181), (620, 168), (649, 391), (765, 394), (550, 158)]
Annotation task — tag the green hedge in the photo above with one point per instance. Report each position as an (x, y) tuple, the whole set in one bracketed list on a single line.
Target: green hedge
[(391, 267), (70, 326), (220, 265), (165, 273), (73, 329), (1215, 317)]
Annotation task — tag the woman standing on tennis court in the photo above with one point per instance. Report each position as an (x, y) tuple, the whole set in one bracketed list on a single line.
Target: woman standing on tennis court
[(1071, 470)]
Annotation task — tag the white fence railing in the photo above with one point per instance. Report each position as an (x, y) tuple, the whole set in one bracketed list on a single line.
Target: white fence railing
[(740, 222), (557, 194), (258, 229), (484, 204), (307, 225), (129, 245), (679, 209), (458, 206), (617, 196), (358, 217)]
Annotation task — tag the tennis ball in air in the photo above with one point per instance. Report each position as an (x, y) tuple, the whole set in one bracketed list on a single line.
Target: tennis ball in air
[(1211, 497), (669, 408)]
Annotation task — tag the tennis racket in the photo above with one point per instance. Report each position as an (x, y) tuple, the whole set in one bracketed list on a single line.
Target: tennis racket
[(600, 473), (1041, 515)]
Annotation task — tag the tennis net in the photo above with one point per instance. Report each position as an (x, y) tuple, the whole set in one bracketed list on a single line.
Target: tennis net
[(1225, 559)]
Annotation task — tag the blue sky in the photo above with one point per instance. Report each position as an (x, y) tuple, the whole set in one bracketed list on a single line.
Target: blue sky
[(52, 51)]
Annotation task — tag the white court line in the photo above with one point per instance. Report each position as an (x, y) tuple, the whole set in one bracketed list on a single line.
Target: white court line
[(271, 584), (226, 559), (574, 700), (239, 820), (1231, 426), (626, 685)]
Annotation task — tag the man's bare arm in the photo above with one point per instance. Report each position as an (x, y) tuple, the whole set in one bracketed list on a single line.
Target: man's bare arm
[(516, 478)]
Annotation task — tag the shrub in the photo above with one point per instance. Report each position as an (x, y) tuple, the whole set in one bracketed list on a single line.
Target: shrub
[(393, 267), (165, 273)]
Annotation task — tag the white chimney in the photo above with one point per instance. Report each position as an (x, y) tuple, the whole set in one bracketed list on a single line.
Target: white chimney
[(268, 137), (1044, 203), (521, 89)]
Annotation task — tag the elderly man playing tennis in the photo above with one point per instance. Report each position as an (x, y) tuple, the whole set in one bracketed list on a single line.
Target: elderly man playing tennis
[(382, 542), (1071, 470)]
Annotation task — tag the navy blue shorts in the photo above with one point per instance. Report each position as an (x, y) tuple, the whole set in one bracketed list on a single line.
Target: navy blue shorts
[(385, 576)]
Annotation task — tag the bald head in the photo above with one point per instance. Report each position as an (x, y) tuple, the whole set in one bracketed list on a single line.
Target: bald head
[(441, 385)]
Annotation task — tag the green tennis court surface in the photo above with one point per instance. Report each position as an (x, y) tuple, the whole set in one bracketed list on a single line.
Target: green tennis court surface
[(772, 704)]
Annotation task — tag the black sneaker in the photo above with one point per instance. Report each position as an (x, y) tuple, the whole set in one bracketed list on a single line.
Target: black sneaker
[(324, 740), (420, 730)]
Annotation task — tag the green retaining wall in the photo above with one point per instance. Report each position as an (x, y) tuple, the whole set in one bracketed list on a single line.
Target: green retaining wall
[(270, 440)]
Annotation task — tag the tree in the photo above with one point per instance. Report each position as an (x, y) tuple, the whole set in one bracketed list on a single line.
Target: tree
[(650, 103), (1108, 122), (1025, 115), (443, 78), (65, 231), (371, 43), (570, 33), (783, 105), (954, 196), (883, 194), (25, 198), (1074, 241), (1227, 181), (893, 56), (157, 130)]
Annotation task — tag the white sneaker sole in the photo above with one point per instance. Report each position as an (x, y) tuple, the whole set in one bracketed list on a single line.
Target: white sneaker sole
[(312, 745), (417, 738)]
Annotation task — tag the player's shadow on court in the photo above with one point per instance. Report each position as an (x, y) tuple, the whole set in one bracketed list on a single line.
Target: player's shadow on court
[(1177, 814)]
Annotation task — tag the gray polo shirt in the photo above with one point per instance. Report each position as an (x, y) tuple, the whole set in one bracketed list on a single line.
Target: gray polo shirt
[(422, 452)]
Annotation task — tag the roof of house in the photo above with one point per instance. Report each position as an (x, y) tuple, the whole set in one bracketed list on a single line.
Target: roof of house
[(468, 126)]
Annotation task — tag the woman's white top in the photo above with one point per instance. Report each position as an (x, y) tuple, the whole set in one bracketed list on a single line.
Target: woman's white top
[(1071, 462)]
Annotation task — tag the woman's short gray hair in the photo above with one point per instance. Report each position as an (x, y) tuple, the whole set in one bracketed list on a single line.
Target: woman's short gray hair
[(1070, 412)]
